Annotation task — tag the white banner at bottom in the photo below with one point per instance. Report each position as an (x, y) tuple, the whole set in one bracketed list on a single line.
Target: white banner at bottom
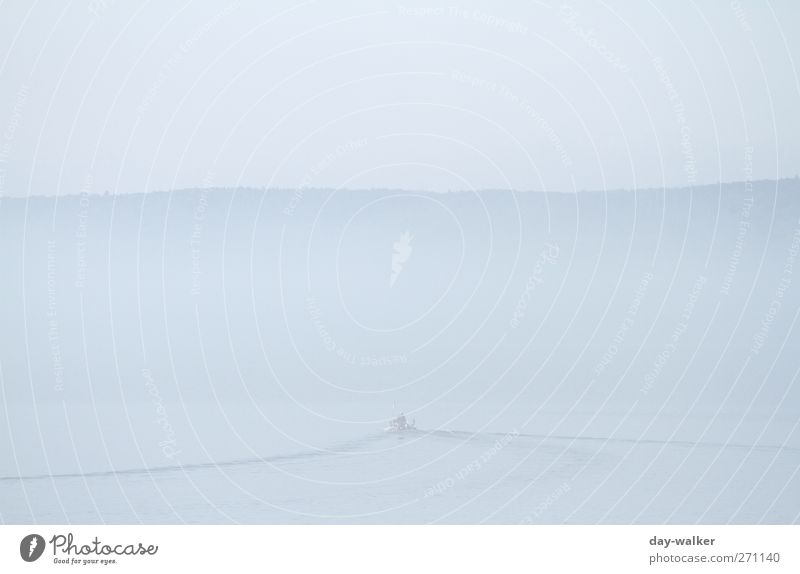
[(400, 549)]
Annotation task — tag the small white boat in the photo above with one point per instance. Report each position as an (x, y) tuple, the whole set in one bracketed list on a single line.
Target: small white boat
[(400, 424)]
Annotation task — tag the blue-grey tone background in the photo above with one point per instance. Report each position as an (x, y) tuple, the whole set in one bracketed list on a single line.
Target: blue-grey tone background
[(450, 95), (236, 240)]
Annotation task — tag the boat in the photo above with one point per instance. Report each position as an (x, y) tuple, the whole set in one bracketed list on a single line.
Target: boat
[(400, 424)]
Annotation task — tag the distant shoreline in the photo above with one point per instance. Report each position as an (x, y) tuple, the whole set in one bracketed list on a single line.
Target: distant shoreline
[(708, 187)]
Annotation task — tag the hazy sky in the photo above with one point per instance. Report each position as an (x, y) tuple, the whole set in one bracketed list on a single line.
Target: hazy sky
[(103, 95)]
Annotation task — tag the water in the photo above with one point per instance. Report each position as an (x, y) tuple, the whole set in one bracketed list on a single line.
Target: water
[(582, 358), (434, 476)]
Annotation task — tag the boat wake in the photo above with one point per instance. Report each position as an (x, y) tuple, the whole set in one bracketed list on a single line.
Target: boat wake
[(381, 442)]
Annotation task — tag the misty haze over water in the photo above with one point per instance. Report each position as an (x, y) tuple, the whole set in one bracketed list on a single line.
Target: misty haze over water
[(380, 262)]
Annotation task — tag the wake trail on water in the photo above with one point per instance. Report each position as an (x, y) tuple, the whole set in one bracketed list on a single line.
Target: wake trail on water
[(360, 446)]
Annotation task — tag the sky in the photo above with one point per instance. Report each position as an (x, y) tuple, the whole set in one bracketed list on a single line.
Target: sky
[(102, 96)]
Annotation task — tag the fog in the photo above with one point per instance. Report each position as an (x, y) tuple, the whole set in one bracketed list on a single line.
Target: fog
[(220, 331), (104, 96), (375, 262)]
